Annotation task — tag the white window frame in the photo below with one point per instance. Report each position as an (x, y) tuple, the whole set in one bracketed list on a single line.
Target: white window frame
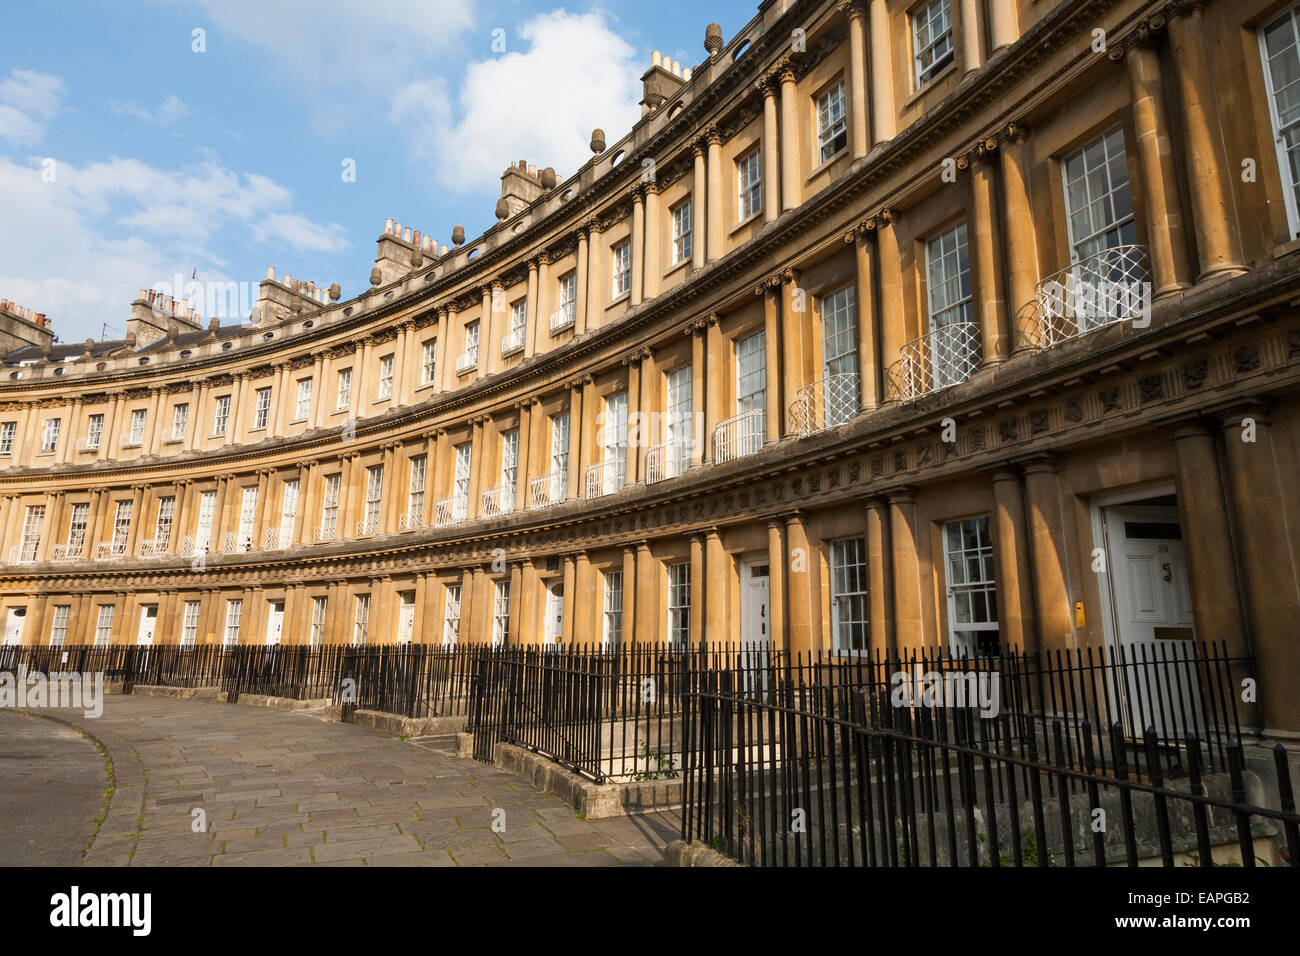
[(1114, 229), (961, 583), (319, 606), (620, 255), (261, 408), (749, 184), (162, 527), (139, 418), (832, 122), (679, 604), (500, 612), (221, 416), (302, 408), (460, 480), (104, 625), (94, 430), (451, 616), (190, 624), (386, 377), (568, 296), (288, 511), (33, 524), (50, 434), (850, 608), (1290, 177), (7, 432), (234, 617), (683, 236), (180, 418), (429, 361), (611, 635), (206, 522), (933, 42), (417, 475), (343, 396), (59, 624), (361, 620)]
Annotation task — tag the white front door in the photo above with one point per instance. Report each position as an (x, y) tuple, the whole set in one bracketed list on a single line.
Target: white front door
[(755, 623), (148, 623), (406, 619), (274, 622), (1152, 613), (554, 613), (14, 621)]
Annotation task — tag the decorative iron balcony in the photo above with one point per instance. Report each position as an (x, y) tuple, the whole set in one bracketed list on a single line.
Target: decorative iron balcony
[(940, 359), (739, 436), (563, 317), (829, 403), (411, 520), (237, 542), (549, 489), (110, 549), (667, 460), (154, 547), (326, 532), (606, 477), (278, 539), (498, 501), (512, 342), (451, 511), (69, 552), (467, 360), (191, 546), (368, 524), (1111, 286)]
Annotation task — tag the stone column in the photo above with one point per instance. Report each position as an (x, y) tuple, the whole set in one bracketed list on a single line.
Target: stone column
[(635, 451), (1266, 557), (716, 362), (590, 316), (445, 346), (528, 603), (1004, 23), (893, 329), (699, 206), (545, 282), (715, 594), (714, 227), (516, 600), (880, 586), (646, 585), (580, 283), (525, 455), (907, 573), (1214, 217), (774, 417), (869, 372), (971, 35), (861, 139), (1047, 548), (404, 343), (776, 603), (629, 593), (647, 376), (771, 151), (697, 592), (882, 73), (796, 363), (533, 316), (790, 189), (650, 245), (1207, 531), (1016, 624), (442, 353), (489, 349), (570, 599), (990, 311), (575, 439), (1021, 241), (1164, 217), (799, 572)]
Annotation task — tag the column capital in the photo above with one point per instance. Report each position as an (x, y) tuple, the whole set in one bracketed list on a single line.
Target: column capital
[(1039, 464), (902, 495)]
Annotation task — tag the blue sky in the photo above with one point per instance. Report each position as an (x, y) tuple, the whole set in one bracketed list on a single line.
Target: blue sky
[(126, 157)]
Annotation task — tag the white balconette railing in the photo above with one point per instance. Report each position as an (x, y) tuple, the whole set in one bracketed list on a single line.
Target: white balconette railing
[(22, 554), (467, 360), (667, 460), (606, 477), (450, 511), (110, 549), (944, 357), (191, 546), (154, 547), (69, 552), (325, 532), (410, 520), (548, 490), (368, 524), (498, 501), (739, 436), (563, 317), (1110, 286), (825, 404), (237, 542), (512, 342), (278, 539)]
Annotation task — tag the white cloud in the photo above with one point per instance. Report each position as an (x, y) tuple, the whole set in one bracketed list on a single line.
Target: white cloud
[(338, 56), (539, 103), (27, 101), (170, 111), (80, 248)]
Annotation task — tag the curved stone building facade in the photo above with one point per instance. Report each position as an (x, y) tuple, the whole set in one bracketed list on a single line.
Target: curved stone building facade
[(954, 324)]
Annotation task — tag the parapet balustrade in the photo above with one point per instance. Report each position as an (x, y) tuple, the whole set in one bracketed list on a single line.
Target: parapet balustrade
[(1110, 286), (498, 501), (606, 477), (825, 404), (548, 490), (942, 358), (563, 317), (739, 436), (667, 460)]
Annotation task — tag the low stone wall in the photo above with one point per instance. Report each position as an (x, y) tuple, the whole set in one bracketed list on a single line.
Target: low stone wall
[(180, 693), (289, 703), (399, 726), (681, 853), (594, 800)]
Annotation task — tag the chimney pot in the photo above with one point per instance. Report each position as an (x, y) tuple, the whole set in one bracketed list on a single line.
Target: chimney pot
[(388, 225), (406, 234), (655, 57)]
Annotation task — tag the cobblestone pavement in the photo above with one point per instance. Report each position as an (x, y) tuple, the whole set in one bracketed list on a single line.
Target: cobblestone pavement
[(280, 788)]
